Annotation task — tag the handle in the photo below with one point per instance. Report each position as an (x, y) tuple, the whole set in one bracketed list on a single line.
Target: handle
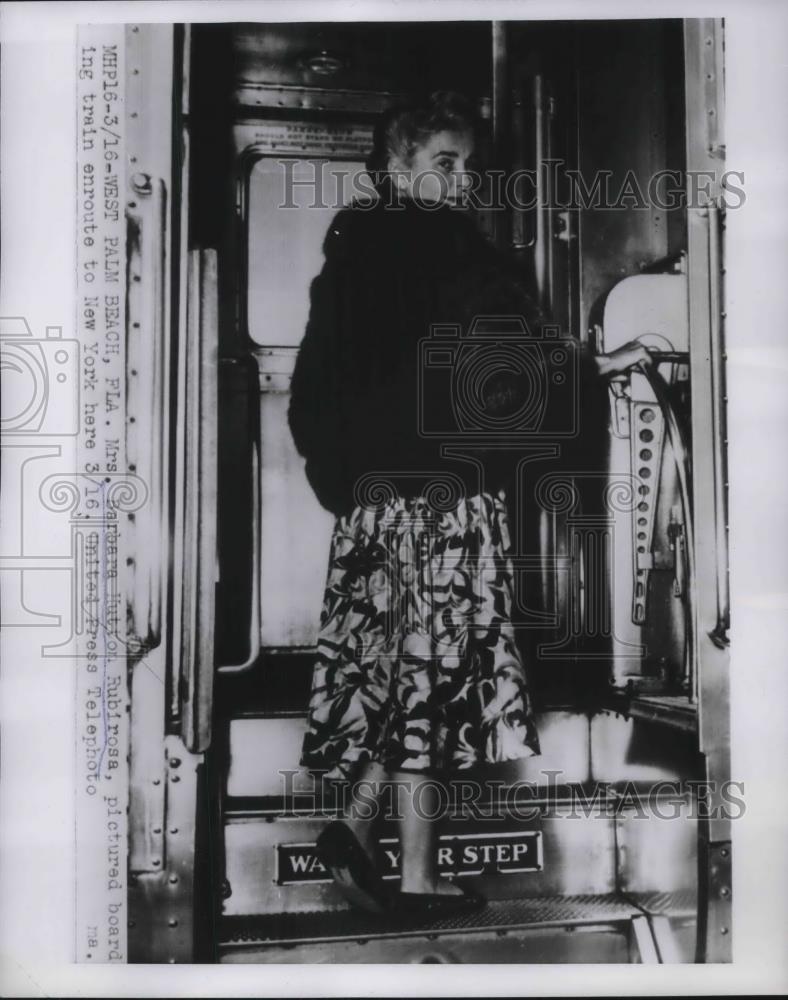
[(720, 634), (256, 611), (676, 536), (542, 249)]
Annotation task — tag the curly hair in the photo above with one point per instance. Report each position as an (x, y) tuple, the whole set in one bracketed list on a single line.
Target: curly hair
[(400, 131)]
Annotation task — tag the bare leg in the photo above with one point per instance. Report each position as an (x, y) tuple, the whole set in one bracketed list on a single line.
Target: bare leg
[(362, 805), (419, 801)]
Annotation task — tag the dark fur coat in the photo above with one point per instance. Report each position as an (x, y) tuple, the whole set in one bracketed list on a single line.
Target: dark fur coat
[(363, 399)]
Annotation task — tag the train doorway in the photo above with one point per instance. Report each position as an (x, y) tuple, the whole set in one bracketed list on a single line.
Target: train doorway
[(604, 848)]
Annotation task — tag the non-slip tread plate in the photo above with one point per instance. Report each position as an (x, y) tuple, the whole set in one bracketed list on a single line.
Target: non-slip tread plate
[(497, 915), (667, 904)]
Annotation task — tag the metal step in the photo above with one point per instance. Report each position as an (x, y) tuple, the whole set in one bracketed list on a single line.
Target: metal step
[(682, 904), (537, 848), (674, 711), (271, 866), (581, 928), (264, 752)]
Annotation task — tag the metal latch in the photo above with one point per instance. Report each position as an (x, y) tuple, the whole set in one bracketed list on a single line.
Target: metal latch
[(677, 547)]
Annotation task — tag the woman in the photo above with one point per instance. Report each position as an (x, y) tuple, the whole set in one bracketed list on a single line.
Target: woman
[(418, 674)]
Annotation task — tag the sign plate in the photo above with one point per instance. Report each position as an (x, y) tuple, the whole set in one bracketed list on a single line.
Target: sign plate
[(307, 138), (458, 855)]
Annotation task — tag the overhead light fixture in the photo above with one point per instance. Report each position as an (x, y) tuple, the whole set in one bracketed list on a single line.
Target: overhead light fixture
[(323, 63)]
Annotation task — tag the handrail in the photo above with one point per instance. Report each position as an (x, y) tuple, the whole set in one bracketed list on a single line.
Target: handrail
[(541, 249), (681, 456), (256, 612), (720, 633), (200, 530)]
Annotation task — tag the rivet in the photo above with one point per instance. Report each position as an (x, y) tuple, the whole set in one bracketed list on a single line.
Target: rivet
[(156, 862), (132, 923), (723, 930), (176, 777), (173, 879), (135, 29), (157, 829), (724, 852), (173, 829), (172, 922), (725, 892), (141, 182), (157, 781), (175, 762)]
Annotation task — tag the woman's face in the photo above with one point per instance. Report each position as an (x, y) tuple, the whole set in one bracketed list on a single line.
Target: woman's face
[(438, 170)]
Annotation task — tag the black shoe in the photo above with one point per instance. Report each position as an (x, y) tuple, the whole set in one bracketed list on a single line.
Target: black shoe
[(349, 865), (436, 904)]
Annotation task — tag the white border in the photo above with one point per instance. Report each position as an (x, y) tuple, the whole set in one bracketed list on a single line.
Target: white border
[(36, 801)]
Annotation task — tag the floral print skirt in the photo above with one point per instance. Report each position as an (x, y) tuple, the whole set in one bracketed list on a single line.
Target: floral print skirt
[(417, 666)]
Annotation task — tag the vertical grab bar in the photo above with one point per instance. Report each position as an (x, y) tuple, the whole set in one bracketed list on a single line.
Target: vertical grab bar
[(681, 453), (147, 432), (540, 250), (256, 613), (720, 634), (543, 249), (500, 114), (200, 528)]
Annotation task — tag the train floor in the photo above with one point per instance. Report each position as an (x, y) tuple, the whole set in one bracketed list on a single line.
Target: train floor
[(610, 928)]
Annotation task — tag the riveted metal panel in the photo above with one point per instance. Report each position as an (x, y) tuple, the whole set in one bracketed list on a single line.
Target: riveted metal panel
[(147, 784), (162, 903), (714, 942)]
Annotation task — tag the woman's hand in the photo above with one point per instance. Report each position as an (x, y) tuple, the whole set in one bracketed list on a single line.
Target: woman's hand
[(622, 359)]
